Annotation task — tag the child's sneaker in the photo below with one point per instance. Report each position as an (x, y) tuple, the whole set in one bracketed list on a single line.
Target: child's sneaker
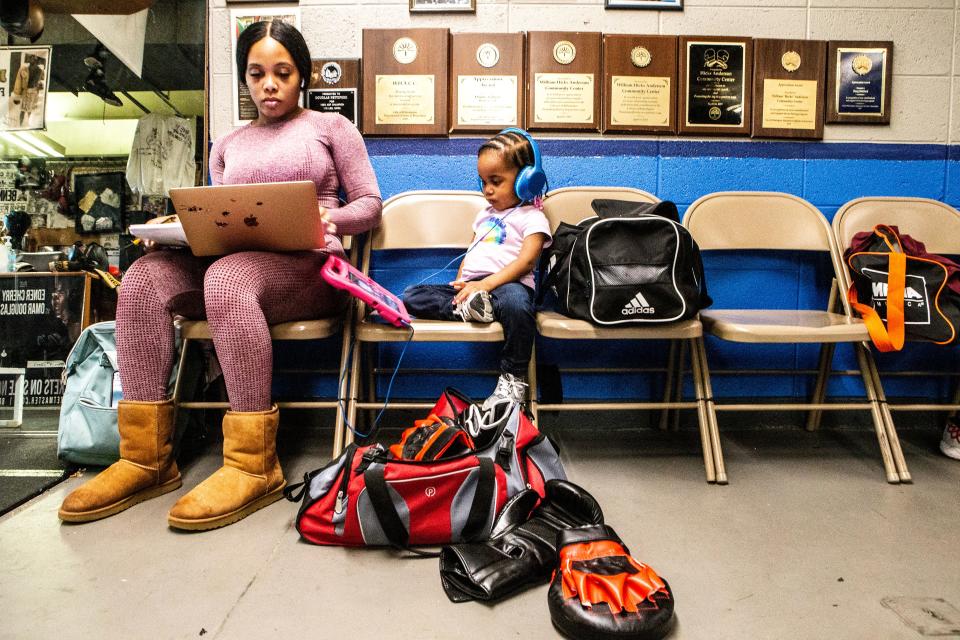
[(476, 308), (950, 443), (510, 388)]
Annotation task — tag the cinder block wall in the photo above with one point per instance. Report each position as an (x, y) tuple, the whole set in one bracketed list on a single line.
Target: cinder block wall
[(915, 156), (926, 55)]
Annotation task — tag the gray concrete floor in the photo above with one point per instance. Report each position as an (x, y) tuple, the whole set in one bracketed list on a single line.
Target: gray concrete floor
[(804, 543)]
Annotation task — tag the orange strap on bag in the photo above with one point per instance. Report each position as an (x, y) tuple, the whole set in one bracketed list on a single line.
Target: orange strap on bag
[(889, 337)]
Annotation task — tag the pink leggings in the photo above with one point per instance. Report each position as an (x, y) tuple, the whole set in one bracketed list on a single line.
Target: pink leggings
[(240, 295)]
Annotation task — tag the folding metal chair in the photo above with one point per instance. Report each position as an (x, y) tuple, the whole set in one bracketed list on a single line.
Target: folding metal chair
[(571, 205), (414, 220), (934, 223), (782, 222)]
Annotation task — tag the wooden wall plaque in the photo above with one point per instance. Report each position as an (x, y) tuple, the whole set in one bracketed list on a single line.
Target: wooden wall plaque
[(640, 83), (788, 88), (404, 73), (563, 81), (859, 81), (335, 86), (715, 85), (486, 81)]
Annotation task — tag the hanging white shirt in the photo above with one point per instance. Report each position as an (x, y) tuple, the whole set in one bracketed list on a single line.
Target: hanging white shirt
[(161, 157)]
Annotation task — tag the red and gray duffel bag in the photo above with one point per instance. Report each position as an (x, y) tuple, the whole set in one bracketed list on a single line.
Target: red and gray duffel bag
[(366, 496)]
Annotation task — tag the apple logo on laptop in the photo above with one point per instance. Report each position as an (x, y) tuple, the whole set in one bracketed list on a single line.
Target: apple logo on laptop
[(251, 221)]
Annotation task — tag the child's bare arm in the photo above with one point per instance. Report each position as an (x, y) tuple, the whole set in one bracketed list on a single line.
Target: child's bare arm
[(513, 272)]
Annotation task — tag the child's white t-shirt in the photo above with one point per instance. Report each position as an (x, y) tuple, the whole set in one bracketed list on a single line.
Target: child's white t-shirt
[(498, 237)]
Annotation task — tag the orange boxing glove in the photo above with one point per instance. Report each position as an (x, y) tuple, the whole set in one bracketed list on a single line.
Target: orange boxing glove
[(600, 591), (434, 438)]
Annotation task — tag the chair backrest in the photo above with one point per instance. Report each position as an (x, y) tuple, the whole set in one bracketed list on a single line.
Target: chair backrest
[(932, 222), (572, 204), (757, 220), (427, 219)]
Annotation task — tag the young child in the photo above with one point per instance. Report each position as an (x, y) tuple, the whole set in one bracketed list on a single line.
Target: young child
[(495, 279)]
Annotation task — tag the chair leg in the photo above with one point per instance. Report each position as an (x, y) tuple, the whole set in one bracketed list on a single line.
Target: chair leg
[(879, 423), (703, 419), (177, 387), (698, 348), (678, 384), (668, 384), (532, 382), (343, 381), (890, 429), (369, 362), (352, 396), (827, 350)]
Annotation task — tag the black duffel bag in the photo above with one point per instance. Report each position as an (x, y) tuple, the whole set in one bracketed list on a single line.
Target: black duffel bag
[(632, 263)]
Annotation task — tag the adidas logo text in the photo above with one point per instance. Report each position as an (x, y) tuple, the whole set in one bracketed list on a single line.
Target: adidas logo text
[(638, 305)]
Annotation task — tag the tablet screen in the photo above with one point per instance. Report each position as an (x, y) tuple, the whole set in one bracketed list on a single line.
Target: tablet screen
[(379, 295)]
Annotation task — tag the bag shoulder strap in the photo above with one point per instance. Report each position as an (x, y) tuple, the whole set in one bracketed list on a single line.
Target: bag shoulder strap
[(889, 337), (383, 508), (393, 526)]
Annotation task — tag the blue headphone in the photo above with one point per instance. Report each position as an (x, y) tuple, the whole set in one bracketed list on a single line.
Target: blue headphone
[(531, 180)]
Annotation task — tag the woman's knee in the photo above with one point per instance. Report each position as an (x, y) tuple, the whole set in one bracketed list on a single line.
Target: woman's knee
[(145, 273), (230, 276)]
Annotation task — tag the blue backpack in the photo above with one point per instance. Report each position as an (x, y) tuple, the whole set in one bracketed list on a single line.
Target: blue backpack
[(88, 432)]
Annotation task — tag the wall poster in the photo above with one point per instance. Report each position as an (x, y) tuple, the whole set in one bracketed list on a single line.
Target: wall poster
[(24, 78), (41, 316)]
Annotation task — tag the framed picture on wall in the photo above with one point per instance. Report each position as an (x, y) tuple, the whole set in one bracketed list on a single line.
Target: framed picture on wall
[(24, 78), (443, 6), (645, 4), (99, 200)]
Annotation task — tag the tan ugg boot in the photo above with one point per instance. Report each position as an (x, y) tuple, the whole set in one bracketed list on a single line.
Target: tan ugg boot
[(250, 478), (146, 468)]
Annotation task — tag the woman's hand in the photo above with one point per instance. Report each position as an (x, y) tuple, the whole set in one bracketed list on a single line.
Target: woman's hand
[(464, 289), (329, 226), (150, 245)]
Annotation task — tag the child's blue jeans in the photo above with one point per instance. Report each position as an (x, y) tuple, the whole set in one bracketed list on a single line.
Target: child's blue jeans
[(512, 307)]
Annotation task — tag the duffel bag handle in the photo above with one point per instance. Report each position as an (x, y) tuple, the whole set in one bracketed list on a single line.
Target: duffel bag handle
[(393, 526), (889, 337)]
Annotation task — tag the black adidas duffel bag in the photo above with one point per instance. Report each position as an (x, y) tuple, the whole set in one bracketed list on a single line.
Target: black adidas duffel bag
[(631, 263)]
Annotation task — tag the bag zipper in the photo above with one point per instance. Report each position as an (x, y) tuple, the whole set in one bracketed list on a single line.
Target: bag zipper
[(340, 504)]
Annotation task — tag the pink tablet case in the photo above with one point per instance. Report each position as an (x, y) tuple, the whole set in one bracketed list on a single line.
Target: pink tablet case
[(342, 275)]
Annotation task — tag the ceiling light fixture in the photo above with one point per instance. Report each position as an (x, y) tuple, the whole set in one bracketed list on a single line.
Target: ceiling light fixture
[(50, 148), (22, 144)]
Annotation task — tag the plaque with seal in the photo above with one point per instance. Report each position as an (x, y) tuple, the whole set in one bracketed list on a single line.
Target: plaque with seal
[(788, 88), (404, 80), (639, 83), (334, 86), (715, 85), (563, 81), (859, 81), (486, 81)]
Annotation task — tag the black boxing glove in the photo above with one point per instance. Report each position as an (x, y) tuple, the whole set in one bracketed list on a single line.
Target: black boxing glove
[(599, 592), (522, 546)]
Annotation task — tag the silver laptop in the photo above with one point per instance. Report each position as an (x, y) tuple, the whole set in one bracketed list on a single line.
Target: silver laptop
[(268, 216)]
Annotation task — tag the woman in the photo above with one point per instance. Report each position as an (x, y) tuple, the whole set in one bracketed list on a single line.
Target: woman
[(240, 295)]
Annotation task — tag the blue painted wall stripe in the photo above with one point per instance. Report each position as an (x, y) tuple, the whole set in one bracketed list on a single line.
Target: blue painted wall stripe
[(826, 174), (586, 147)]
